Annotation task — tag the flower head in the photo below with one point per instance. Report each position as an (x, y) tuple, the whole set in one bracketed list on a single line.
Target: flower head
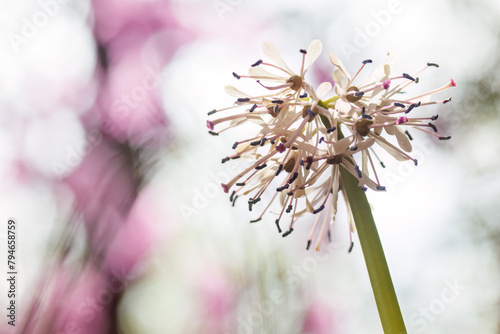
[(301, 147), (377, 104)]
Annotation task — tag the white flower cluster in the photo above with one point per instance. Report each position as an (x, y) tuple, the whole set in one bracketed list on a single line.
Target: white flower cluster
[(305, 139)]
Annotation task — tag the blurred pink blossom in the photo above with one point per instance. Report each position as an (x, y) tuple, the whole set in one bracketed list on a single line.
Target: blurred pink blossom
[(319, 319)]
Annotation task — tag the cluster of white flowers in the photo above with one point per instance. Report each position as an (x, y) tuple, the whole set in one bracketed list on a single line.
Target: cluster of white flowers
[(304, 139)]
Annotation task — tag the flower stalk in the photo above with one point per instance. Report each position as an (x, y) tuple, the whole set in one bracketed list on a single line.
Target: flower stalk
[(373, 252), (378, 271)]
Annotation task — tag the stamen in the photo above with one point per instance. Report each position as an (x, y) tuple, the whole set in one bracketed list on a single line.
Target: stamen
[(226, 159), (350, 247), (243, 99), (277, 222), (368, 61), (261, 167), (409, 77), (366, 116), (235, 145), (257, 63), (358, 94), (356, 168), (255, 143), (224, 187), (445, 138), (434, 117), (251, 202), (236, 76), (309, 161), (277, 101), (432, 64), (213, 133), (281, 148), (240, 184), (254, 201), (263, 141), (303, 96), (287, 233), (364, 188), (446, 101), (211, 112), (303, 51), (210, 125), (433, 127), (294, 177), (308, 244), (330, 130), (236, 157), (381, 188), (397, 104), (232, 196), (409, 135), (410, 108), (280, 189), (318, 209), (321, 139), (401, 120), (289, 208), (234, 201), (280, 168), (256, 220), (253, 108)]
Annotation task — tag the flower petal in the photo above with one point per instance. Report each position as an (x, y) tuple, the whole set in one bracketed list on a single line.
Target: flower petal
[(260, 72), (323, 89), (313, 52), (391, 149), (337, 62), (272, 53), (343, 106), (403, 140), (341, 146), (231, 90)]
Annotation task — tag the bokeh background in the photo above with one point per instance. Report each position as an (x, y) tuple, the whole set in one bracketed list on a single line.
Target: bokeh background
[(108, 169)]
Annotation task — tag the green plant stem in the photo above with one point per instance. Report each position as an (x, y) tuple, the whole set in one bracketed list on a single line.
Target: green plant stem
[(378, 271)]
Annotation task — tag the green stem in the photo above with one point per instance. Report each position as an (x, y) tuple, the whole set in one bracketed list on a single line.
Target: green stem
[(380, 277), (378, 271)]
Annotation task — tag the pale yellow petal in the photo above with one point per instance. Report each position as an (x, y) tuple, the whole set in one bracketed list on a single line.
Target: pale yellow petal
[(313, 52), (272, 53), (231, 90), (337, 62)]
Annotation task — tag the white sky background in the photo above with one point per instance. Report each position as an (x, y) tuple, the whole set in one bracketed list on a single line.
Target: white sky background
[(422, 227)]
